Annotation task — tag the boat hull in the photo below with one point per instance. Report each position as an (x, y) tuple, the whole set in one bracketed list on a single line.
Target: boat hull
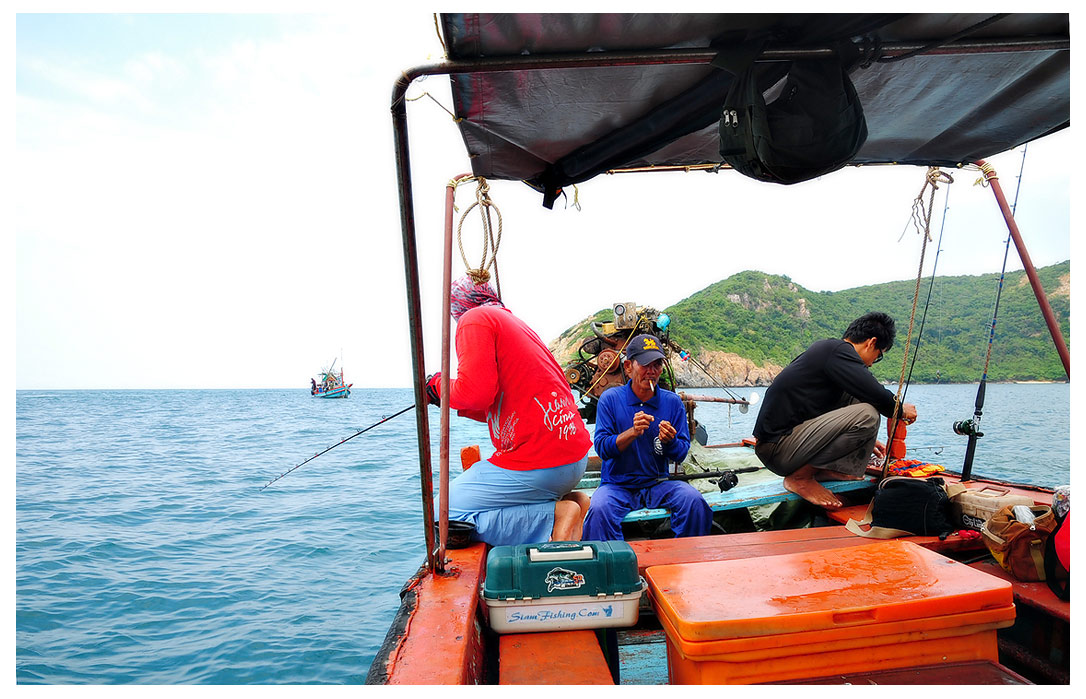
[(338, 392)]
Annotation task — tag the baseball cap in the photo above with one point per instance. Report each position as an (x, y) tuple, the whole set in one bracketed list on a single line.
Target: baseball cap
[(645, 349)]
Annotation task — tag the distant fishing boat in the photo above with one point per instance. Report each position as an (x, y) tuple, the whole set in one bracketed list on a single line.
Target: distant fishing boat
[(331, 385)]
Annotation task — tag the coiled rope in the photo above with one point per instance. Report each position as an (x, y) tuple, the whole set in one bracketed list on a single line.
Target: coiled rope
[(491, 240)]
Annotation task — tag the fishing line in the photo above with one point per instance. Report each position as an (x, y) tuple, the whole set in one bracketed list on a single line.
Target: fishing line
[(693, 360), (347, 439), (907, 379), (978, 406), (931, 287)]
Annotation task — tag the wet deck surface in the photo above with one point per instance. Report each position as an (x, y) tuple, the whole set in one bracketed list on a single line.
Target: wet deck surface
[(761, 487)]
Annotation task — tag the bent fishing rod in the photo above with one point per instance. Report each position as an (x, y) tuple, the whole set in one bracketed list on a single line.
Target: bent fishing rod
[(346, 439)]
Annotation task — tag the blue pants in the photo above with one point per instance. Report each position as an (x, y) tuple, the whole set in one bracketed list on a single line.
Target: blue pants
[(690, 514), (511, 507)]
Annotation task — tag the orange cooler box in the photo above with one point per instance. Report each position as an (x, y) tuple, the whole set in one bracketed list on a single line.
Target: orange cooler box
[(878, 606)]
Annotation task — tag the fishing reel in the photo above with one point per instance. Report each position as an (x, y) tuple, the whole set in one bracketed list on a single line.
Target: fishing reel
[(967, 428), (727, 481), (598, 364)]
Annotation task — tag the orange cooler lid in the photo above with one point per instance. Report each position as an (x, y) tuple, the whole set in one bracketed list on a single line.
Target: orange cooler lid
[(861, 585)]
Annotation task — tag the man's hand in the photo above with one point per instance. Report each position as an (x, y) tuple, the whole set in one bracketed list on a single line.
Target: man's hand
[(641, 422), (880, 450), (433, 389), (908, 413), (667, 432)]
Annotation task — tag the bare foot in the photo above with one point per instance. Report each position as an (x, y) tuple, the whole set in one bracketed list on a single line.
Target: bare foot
[(811, 491), (827, 475)]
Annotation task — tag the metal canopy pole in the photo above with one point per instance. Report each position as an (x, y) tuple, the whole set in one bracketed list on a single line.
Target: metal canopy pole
[(1035, 281), (705, 55), (414, 310)]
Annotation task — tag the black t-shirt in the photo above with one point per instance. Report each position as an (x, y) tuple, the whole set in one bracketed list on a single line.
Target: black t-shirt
[(823, 378)]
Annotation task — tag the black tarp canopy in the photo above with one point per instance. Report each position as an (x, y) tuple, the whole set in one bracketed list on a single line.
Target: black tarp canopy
[(936, 89)]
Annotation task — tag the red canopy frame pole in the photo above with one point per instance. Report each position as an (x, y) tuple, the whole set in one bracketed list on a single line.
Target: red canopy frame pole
[(446, 362), (1038, 291)]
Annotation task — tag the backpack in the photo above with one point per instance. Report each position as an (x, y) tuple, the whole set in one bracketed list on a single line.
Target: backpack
[(905, 506), (812, 126), (1017, 546)]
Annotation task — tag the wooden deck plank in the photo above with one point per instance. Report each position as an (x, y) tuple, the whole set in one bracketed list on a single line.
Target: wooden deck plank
[(643, 663), (1034, 594), (553, 657), (751, 495)]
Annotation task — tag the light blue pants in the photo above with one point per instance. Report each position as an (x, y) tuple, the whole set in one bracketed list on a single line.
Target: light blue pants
[(511, 507)]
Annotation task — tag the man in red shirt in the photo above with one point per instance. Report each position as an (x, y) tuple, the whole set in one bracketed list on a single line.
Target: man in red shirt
[(508, 378)]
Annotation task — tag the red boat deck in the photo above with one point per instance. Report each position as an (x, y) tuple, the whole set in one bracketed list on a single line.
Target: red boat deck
[(445, 607), (450, 647)]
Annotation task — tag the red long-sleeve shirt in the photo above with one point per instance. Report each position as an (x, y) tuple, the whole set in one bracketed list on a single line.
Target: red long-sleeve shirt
[(508, 378)]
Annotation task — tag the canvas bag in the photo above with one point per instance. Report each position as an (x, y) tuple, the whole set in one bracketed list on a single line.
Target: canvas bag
[(906, 506), (814, 123), (1016, 546)]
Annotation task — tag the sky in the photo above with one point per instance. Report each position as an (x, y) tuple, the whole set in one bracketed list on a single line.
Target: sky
[(210, 201)]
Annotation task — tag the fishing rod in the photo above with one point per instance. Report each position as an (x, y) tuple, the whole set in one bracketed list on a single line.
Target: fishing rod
[(971, 428), (726, 478), (347, 439)]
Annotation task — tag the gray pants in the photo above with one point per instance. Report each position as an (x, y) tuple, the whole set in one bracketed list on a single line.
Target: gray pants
[(841, 440)]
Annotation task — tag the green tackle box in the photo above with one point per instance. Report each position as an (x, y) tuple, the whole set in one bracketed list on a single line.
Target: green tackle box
[(562, 585)]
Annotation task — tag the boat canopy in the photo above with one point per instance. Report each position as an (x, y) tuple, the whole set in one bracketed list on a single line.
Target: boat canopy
[(562, 98)]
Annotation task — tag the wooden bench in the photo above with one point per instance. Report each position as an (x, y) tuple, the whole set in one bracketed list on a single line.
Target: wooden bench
[(552, 657), (751, 496)]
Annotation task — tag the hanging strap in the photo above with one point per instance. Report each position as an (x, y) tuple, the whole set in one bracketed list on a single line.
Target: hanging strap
[(873, 532)]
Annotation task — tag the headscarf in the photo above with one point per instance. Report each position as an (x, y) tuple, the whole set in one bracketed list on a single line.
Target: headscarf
[(466, 294)]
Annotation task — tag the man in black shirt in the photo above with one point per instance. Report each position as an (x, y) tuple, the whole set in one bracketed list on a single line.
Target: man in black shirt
[(820, 417)]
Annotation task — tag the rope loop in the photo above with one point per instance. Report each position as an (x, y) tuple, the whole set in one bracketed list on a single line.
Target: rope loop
[(988, 174), (921, 215), (491, 240)]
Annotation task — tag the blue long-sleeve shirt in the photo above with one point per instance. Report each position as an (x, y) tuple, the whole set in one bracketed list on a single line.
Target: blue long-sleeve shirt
[(644, 461)]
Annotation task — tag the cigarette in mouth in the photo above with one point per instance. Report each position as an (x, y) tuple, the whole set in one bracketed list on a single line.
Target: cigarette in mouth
[(652, 385)]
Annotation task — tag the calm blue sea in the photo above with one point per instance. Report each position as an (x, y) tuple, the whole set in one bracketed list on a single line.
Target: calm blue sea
[(147, 553)]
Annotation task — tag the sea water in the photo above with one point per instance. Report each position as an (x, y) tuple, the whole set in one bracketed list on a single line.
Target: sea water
[(147, 551)]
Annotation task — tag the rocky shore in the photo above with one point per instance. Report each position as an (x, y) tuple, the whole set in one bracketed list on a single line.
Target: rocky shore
[(725, 369)]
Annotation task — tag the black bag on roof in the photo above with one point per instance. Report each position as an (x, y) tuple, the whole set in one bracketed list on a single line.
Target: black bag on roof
[(812, 124)]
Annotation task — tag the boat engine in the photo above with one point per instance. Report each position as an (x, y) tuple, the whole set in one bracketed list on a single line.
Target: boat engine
[(598, 365)]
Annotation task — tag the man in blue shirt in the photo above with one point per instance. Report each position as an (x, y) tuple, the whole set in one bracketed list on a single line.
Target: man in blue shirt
[(640, 427)]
